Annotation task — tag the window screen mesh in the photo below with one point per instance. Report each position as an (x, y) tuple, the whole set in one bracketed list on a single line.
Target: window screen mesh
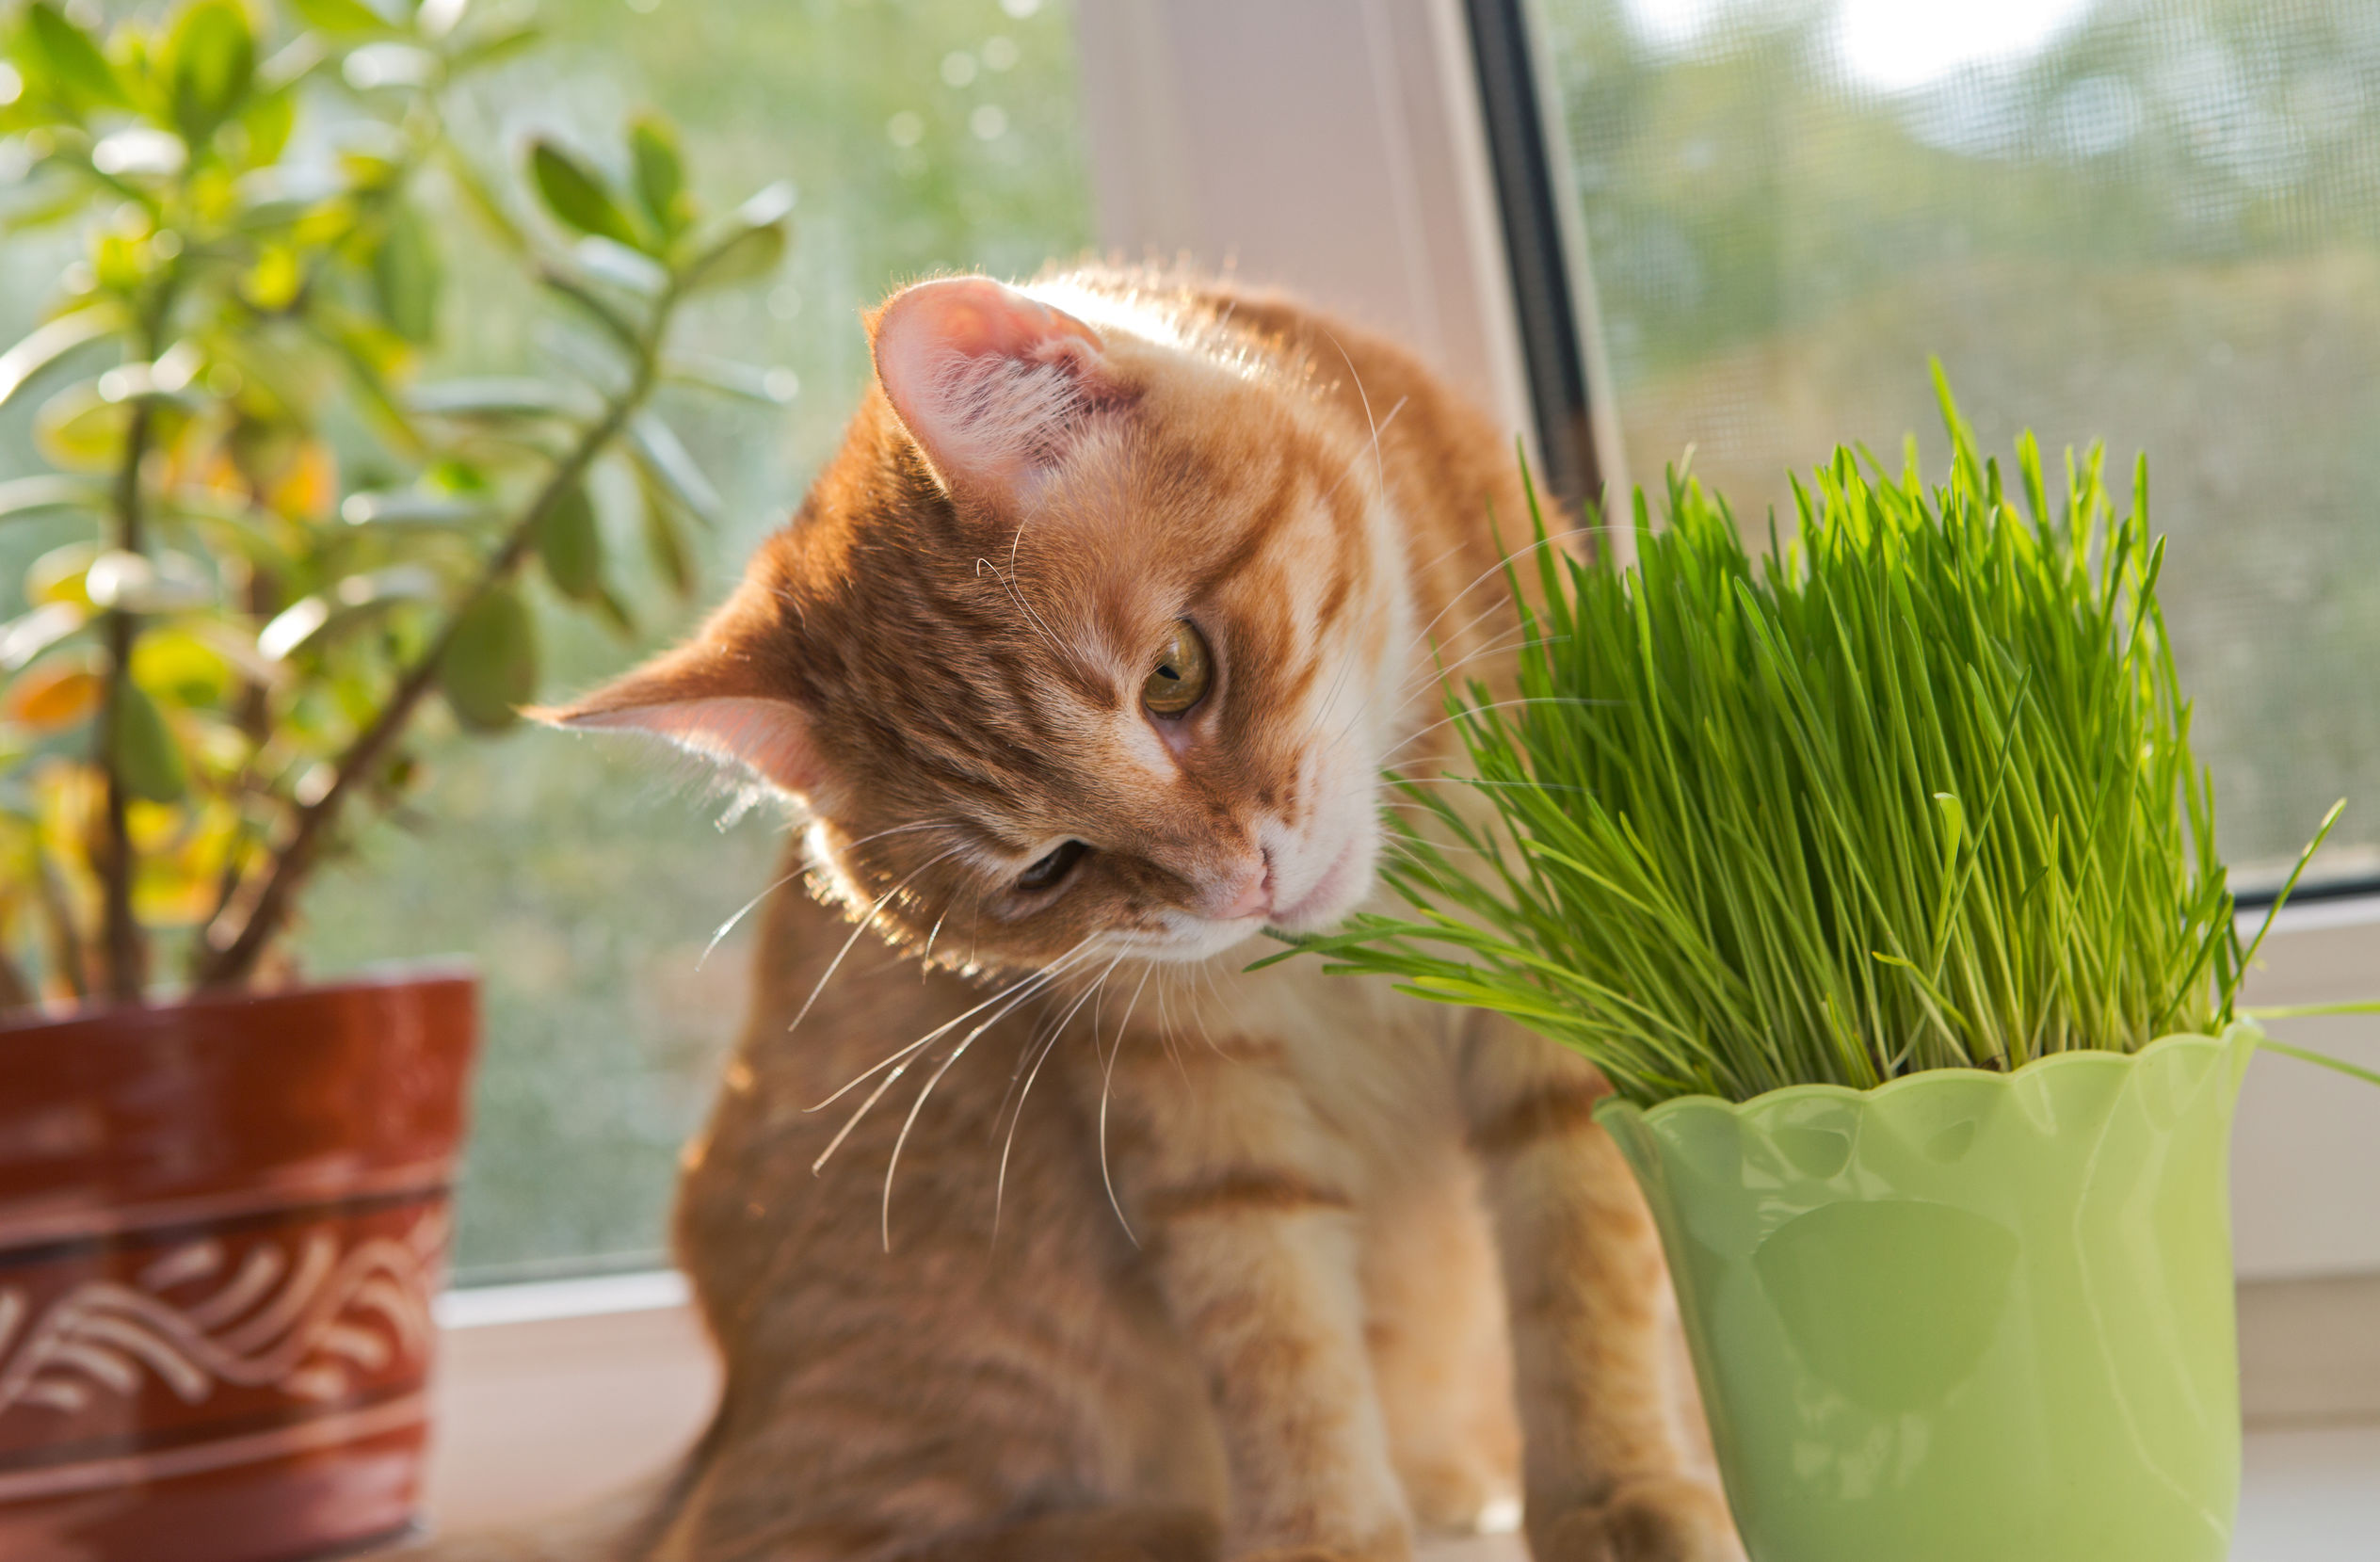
[(2151, 222)]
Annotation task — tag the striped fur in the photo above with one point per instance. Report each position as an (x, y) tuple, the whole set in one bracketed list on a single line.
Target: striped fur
[(1184, 1262)]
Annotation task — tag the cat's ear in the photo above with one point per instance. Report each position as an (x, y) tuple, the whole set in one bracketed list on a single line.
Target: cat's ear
[(707, 703), (995, 386)]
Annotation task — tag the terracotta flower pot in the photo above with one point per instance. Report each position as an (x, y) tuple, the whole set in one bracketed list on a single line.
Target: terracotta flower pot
[(221, 1224)]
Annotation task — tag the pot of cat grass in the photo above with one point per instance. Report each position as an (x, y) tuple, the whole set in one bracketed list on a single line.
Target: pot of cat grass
[(222, 1222), (1877, 876), (1966, 1317)]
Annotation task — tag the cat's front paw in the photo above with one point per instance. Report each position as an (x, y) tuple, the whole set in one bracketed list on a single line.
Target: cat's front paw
[(1666, 1519)]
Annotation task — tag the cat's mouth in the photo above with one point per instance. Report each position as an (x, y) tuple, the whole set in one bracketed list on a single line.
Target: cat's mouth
[(1330, 898)]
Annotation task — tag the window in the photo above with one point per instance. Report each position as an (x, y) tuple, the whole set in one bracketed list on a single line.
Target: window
[(2152, 221)]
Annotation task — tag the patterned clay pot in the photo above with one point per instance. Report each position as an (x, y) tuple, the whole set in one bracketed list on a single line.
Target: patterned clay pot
[(1968, 1316), (221, 1224)]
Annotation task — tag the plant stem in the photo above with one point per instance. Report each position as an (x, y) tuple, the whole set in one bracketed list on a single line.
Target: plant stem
[(15, 991), (234, 961), (67, 958), (123, 948)]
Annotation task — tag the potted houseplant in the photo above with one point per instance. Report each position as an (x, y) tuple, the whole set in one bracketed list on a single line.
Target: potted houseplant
[(1878, 879), (223, 1194)]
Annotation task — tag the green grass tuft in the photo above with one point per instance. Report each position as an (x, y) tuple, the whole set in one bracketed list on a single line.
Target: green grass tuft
[(1914, 792)]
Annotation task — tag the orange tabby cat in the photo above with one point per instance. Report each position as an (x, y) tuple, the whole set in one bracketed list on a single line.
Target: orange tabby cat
[(1081, 662)]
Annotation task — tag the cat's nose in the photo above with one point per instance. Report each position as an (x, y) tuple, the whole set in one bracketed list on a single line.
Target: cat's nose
[(1246, 893)]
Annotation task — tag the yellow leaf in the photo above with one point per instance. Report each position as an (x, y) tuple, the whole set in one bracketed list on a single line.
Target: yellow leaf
[(274, 281), (307, 485), (54, 694), (77, 431), (57, 575)]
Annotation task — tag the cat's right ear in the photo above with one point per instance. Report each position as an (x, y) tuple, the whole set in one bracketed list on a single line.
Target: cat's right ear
[(995, 386), (705, 701)]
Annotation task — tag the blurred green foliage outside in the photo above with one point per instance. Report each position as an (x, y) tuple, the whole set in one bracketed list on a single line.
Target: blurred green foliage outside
[(2152, 221)]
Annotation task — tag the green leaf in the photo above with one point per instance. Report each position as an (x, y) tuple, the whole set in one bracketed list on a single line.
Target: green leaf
[(664, 458), (490, 668), (482, 201), (630, 270), (305, 622), (405, 275), (147, 761), (661, 175), (79, 430), (268, 117), (665, 541), (210, 58), (495, 45), (571, 545), (500, 395), (439, 512), (30, 495), (341, 16), (49, 344), (31, 634), (579, 197), (750, 246), (622, 329), (69, 60), (771, 387)]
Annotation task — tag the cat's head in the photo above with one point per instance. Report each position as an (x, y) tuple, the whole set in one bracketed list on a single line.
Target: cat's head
[(1090, 639)]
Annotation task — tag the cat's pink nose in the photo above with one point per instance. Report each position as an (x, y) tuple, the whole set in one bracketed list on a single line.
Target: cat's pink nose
[(1247, 895)]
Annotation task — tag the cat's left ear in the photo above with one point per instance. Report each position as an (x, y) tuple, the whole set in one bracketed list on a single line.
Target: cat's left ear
[(707, 702), (994, 385)]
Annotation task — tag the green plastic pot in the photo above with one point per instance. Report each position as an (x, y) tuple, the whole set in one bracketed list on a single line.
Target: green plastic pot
[(1967, 1316)]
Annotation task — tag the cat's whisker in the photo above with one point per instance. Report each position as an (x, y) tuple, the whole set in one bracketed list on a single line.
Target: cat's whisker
[(1204, 970), (929, 1040), (1048, 637), (1022, 989), (1322, 709), (746, 908), (1420, 683), (1379, 462), (999, 1185), (862, 927), (1494, 570), (901, 1140), (1108, 1082), (1491, 705)]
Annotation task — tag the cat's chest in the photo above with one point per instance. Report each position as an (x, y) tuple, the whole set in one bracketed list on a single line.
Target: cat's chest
[(1376, 1064)]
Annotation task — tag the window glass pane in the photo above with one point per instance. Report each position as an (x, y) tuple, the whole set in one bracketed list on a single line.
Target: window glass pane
[(2152, 220), (921, 136)]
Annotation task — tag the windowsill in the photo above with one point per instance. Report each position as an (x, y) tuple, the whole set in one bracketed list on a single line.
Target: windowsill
[(554, 1394), (551, 1395)]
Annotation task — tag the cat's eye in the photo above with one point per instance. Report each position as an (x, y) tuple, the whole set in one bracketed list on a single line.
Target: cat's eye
[(1052, 868), (1181, 674)]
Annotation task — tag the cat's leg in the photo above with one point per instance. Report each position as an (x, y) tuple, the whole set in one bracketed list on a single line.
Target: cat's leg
[(1440, 1348), (1605, 1469), (1246, 1205)]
